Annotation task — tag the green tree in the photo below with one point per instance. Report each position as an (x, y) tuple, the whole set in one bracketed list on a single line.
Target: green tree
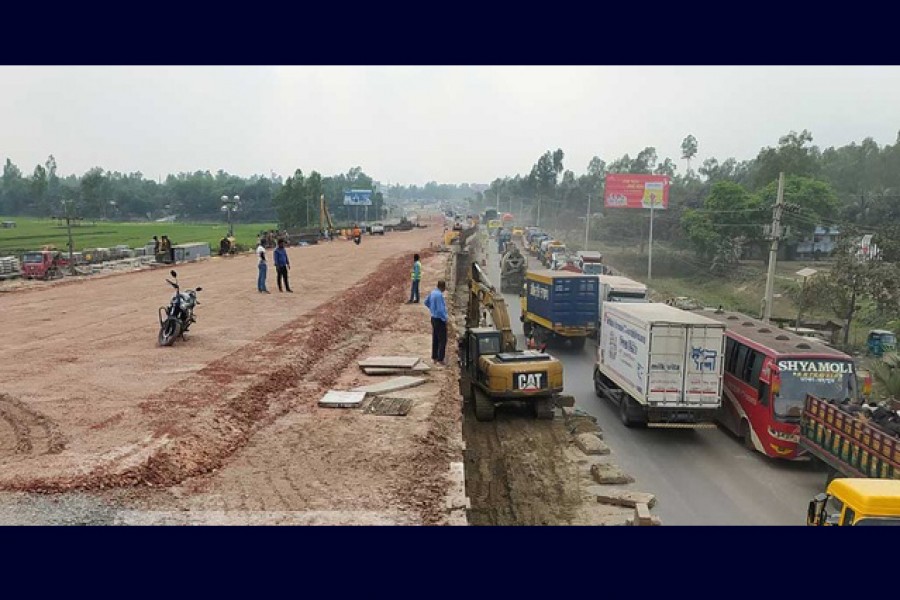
[(689, 150), (729, 219)]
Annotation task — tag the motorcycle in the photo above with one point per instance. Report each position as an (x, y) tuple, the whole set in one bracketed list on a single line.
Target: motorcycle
[(176, 319)]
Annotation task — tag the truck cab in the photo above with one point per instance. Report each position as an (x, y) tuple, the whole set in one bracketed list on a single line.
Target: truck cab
[(41, 264), (854, 501)]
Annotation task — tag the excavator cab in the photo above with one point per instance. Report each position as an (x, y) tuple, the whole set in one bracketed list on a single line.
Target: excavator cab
[(478, 342)]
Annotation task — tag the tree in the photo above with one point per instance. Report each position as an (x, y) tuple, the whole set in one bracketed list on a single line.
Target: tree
[(689, 150), (793, 156), (39, 191), (730, 217), (851, 280), (815, 202)]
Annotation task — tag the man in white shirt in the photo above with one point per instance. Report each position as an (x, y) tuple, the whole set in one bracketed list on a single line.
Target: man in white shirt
[(261, 280)]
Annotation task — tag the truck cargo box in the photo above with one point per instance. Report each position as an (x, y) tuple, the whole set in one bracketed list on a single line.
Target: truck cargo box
[(665, 358), (561, 301)]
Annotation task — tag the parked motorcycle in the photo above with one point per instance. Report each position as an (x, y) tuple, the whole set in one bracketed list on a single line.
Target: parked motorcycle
[(176, 319)]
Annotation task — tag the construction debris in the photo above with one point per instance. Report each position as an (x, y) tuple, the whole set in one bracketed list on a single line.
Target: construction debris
[(609, 474), (390, 362), (341, 399), (630, 499), (389, 407), (419, 368), (391, 385), (590, 444)]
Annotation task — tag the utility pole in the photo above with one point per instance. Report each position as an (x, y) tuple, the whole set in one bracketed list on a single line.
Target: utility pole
[(587, 223), (71, 243), (774, 235), (498, 204), (650, 243), (539, 211)]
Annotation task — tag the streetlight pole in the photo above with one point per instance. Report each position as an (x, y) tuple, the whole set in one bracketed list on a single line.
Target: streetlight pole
[(230, 205)]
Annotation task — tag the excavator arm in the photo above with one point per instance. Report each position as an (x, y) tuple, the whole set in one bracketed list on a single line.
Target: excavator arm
[(324, 215), (482, 295)]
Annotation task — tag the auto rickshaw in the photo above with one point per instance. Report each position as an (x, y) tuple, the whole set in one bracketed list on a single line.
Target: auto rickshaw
[(881, 341)]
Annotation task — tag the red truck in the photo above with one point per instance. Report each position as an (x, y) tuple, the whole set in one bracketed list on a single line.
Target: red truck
[(43, 264)]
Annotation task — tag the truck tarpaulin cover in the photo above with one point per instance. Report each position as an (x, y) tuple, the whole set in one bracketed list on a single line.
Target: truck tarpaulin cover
[(636, 191)]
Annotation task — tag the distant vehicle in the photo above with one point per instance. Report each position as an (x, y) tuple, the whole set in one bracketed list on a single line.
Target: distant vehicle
[(812, 334), (591, 262), (376, 229), (881, 341), (43, 264)]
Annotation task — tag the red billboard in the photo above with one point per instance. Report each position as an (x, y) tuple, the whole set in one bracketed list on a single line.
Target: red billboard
[(636, 191)]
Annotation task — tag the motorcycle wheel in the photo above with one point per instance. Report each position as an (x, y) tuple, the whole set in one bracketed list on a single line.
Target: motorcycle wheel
[(168, 331)]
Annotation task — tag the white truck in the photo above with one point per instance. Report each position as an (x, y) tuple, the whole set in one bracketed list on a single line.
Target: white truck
[(661, 365), (615, 288)]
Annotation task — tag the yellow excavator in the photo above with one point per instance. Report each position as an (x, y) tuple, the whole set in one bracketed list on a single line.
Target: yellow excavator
[(493, 370)]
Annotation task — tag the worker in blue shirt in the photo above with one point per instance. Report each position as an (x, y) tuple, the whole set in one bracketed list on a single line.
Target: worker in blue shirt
[(282, 266), (438, 307), (416, 278)]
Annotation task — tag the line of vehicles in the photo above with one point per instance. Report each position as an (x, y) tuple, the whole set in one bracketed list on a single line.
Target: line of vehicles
[(783, 394)]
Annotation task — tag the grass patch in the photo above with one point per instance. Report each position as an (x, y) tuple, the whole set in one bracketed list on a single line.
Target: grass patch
[(32, 234)]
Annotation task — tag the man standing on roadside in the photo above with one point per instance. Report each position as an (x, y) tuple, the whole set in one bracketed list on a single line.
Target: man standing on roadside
[(438, 307), (416, 278), (282, 266), (261, 280)]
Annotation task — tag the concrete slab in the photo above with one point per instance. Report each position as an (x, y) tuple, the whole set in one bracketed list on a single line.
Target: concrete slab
[(590, 444), (622, 498), (607, 474), (342, 399), (392, 362), (391, 385), (419, 368)]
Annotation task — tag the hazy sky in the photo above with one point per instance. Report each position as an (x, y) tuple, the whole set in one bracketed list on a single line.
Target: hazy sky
[(417, 124)]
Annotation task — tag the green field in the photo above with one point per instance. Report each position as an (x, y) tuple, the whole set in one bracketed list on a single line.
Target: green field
[(32, 234)]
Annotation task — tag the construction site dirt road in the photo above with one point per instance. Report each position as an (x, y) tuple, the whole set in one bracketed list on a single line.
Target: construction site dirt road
[(99, 425)]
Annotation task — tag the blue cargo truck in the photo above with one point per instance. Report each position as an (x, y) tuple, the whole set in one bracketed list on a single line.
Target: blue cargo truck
[(560, 306)]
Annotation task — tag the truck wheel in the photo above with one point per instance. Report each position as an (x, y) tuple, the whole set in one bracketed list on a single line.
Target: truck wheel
[(543, 408), (484, 408), (625, 405), (527, 328), (578, 343), (168, 331), (623, 411)]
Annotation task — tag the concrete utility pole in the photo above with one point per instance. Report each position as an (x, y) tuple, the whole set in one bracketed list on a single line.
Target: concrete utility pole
[(774, 235), (539, 211), (587, 223), (650, 243), (71, 242)]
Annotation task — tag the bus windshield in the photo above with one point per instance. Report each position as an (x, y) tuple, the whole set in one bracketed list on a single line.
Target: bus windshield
[(826, 379)]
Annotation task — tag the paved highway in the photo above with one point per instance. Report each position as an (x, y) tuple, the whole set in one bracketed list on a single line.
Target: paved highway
[(702, 477)]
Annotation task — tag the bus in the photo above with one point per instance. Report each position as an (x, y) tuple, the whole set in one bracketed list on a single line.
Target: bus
[(768, 374)]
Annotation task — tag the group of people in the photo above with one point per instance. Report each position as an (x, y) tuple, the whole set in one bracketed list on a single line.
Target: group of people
[(270, 239), (163, 249), (437, 306), (282, 266)]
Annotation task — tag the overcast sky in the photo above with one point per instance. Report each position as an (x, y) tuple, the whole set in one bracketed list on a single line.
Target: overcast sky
[(418, 124)]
